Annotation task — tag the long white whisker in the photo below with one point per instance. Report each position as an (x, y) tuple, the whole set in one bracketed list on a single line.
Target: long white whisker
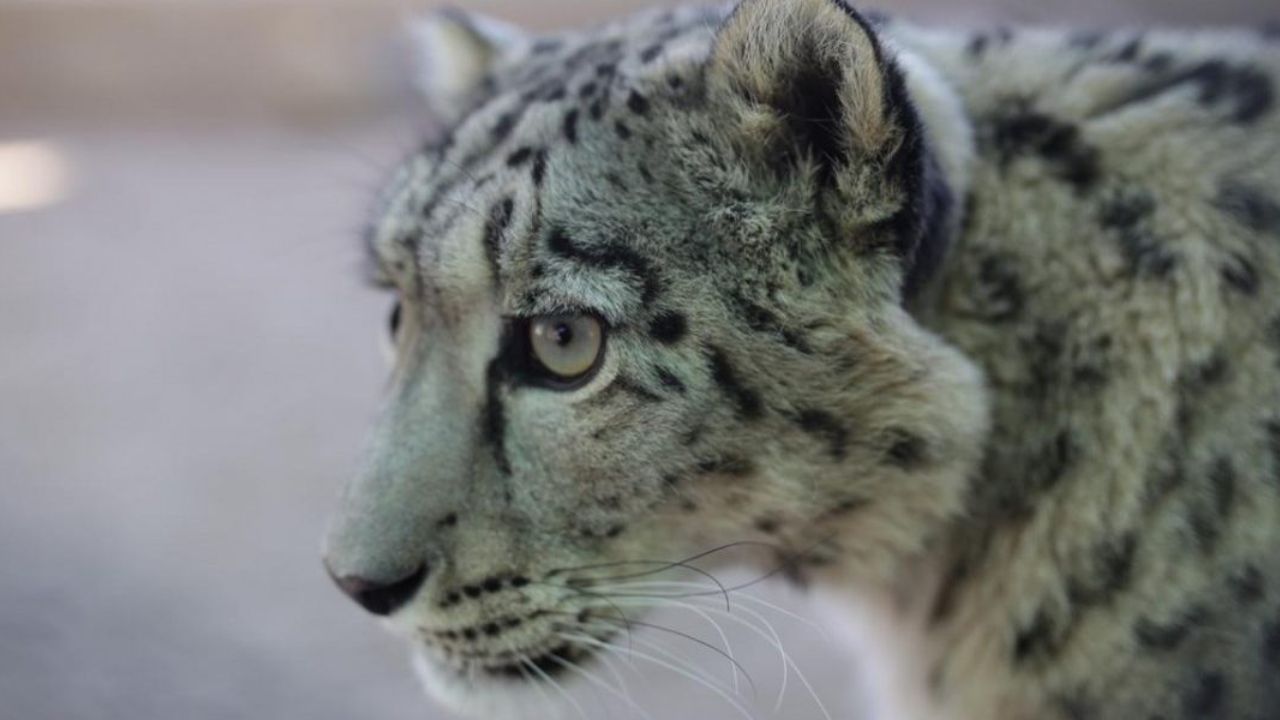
[(661, 663), (771, 637), (724, 638), (556, 686), (599, 682), (678, 585), (681, 660), (786, 656), (551, 706)]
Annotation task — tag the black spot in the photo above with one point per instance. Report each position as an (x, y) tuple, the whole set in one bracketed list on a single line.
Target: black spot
[(637, 103), (728, 465), (670, 381), (1054, 461), (668, 328), (1205, 696), (622, 130), (587, 90), (1203, 376), (1273, 444), (494, 422), (452, 598), (545, 46), (848, 505), (506, 123), (1248, 585), (491, 629), (767, 525), (1249, 206), (999, 290), (1109, 575), (724, 375), (520, 156), (1086, 40), (650, 53), (826, 426), (570, 126), (1271, 644), (675, 82), (472, 591), (449, 520), (1204, 528), (1240, 274), (1037, 640), (760, 319), (906, 449), (978, 45), (1223, 480), (539, 167), (469, 633), (608, 256), (1026, 131), (1248, 91), (1129, 51), (596, 110), (1126, 209), (614, 531), (1168, 635), (492, 585), (634, 389), (606, 70), (497, 223), (519, 581), (1145, 255)]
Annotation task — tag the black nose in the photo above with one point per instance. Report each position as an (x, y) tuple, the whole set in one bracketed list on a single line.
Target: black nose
[(380, 598)]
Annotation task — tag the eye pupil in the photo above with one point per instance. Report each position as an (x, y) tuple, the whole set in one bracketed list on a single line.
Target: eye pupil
[(563, 334)]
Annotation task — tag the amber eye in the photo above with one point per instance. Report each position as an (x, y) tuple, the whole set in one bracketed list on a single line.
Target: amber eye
[(567, 347)]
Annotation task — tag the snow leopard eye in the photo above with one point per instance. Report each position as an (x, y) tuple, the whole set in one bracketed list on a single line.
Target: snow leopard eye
[(565, 348), (393, 323)]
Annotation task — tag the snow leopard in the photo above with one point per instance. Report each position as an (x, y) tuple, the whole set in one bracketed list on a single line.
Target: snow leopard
[(974, 333)]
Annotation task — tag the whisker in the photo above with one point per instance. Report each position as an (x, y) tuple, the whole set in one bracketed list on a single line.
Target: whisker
[(737, 666), (595, 680), (551, 707), (734, 666), (555, 685), (661, 663), (821, 631)]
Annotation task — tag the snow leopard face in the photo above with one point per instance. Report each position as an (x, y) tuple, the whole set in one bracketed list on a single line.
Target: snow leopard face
[(650, 293)]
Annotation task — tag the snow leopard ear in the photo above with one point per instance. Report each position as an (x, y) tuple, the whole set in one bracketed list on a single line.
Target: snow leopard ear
[(454, 52), (807, 89), (812, 84)]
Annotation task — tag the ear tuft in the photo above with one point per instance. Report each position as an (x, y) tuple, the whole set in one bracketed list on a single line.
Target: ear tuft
[(454, 52), (818, 66)]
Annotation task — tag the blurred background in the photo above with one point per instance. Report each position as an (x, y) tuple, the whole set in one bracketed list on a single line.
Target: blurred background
[(188, 361)]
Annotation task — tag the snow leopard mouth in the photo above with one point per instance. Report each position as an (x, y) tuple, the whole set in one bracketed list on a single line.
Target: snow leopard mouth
[(555, 657), (553, 663)]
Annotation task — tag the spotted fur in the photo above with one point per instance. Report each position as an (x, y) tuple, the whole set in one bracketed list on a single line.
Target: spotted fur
[(980, 329)]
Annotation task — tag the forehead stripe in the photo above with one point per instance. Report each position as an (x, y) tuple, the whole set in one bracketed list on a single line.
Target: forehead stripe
[(499, 219), (608, 257)]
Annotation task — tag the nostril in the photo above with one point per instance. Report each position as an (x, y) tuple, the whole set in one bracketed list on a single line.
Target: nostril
[(381, 598)]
